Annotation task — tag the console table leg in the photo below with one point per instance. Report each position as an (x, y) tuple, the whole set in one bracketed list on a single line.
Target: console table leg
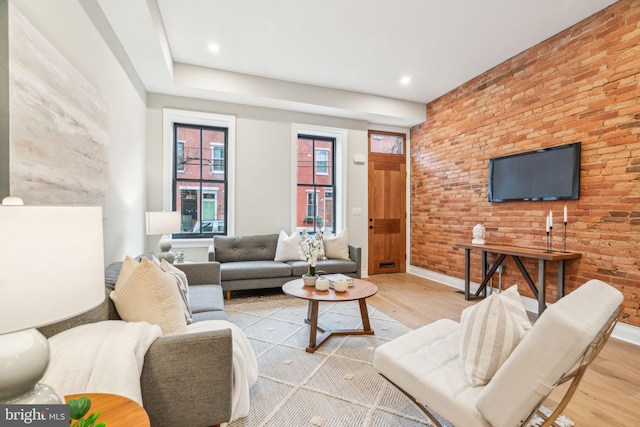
[(542, 287), (467, 274), (484, 272), (560, 278)]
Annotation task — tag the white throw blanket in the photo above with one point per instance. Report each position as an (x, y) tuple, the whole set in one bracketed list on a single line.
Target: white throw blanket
[(103, 357), (107, 357), (244, 363)]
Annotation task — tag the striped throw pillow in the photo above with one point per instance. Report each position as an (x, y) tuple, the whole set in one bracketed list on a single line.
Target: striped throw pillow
[(489, 331)]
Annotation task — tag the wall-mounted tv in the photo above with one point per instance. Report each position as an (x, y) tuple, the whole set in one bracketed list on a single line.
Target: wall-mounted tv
[(546, 174)]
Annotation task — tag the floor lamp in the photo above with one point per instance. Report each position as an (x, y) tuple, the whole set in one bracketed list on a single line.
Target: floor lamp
[(165, 223), (51, 269)]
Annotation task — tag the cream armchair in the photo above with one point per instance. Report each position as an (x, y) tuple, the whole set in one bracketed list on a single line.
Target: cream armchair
[(425, 363)]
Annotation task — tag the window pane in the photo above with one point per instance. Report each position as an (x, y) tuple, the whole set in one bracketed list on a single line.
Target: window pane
[(213, 147), (305, 161), (191, 152), (387, 144)]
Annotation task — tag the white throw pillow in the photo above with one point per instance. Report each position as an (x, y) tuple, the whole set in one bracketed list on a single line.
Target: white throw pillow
[(489, 331), (183, 286), (148, 294), (287, 248), (336, 246)]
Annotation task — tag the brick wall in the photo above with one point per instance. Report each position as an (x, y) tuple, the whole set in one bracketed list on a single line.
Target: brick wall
[(581, 85)]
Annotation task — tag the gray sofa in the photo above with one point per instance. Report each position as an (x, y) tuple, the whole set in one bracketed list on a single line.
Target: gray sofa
[(186, 379), (247, 262)]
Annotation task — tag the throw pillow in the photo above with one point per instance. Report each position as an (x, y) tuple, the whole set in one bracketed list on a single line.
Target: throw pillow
[(336, 246), (183, 286), (318, 237), (513, 303), (150, 295), (489, 331), (287, 248)]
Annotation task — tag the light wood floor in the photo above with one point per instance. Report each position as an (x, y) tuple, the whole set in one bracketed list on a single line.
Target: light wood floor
[(609, 394)]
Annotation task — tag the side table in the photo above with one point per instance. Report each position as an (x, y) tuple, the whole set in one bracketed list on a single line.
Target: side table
[(117, 411)]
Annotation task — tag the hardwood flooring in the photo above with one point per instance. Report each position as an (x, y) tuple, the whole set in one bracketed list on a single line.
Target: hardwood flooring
[(609, 394)]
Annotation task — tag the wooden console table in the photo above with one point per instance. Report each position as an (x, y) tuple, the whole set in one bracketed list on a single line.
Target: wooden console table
[(516, 252)]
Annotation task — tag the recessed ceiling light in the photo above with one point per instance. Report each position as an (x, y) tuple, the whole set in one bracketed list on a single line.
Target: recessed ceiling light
[(214, 48), (405, 80)]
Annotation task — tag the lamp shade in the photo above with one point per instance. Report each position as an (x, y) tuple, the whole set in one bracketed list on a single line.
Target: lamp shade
[(51, 264), (163, 222)]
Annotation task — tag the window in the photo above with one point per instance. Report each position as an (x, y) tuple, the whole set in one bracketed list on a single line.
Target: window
[(200, 179), (322, 161), (180, 156), (217, 159), (315, 182)]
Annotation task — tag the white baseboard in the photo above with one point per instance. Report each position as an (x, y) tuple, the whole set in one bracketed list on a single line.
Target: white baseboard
[(622, 331)]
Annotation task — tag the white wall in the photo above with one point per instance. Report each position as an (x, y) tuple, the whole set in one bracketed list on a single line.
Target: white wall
[(66, 25), (263, 167)]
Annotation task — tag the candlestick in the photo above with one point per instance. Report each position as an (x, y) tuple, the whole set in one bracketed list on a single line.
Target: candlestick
[(564, 246)]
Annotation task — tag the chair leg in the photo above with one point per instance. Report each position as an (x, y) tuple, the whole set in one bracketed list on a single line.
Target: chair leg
[(422, 408)]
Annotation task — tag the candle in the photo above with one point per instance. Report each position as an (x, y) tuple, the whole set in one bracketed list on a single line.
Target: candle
[(547, 223), (550, 219), (565, 214)]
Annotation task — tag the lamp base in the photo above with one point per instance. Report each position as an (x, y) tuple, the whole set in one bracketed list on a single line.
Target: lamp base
[(165, 249), (24, 357)]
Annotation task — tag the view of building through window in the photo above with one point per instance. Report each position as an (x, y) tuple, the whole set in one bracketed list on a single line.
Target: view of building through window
[(199, 179), (315, 183)]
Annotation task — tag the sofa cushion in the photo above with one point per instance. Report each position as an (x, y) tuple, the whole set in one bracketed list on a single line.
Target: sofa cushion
[(336, 246), (425, 363), (206, 298), (183, 287), (287, 247), (330, 266), (209, 315), (254, 270), (245, 248), (146, 293)]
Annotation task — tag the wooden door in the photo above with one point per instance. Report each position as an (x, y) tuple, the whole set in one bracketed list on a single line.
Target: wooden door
[(387, 202)]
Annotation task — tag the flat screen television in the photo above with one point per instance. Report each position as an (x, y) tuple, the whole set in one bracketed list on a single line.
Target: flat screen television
[(546, 174)]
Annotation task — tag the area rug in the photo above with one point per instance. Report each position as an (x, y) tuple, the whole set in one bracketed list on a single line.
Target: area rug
[(336, 386)]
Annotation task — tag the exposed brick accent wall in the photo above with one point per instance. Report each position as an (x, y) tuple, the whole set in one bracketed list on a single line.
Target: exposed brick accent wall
[(581, 85)]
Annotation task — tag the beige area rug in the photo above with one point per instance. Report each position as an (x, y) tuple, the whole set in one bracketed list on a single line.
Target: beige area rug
[(337, 386)]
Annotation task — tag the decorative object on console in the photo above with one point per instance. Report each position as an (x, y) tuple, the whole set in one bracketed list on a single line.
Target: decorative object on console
[(165, 223), (53, 285), (180, 256), (322, 284), (478, 235), (564, 245)]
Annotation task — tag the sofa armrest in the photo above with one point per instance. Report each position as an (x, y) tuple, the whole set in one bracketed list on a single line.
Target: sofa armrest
[(201, 273), (212, 253), (186, 379), (355, 253)]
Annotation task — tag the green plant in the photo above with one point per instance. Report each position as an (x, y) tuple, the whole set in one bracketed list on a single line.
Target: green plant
[(180, 256), (78, 408)]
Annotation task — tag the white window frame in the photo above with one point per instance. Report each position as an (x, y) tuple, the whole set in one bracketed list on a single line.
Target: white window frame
[(340, 135), (171, 117)]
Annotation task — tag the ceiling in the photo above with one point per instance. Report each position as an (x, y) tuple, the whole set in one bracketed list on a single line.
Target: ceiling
[(340, 58)]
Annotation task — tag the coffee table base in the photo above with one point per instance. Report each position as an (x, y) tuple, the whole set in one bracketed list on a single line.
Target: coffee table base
[(316, 341)]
